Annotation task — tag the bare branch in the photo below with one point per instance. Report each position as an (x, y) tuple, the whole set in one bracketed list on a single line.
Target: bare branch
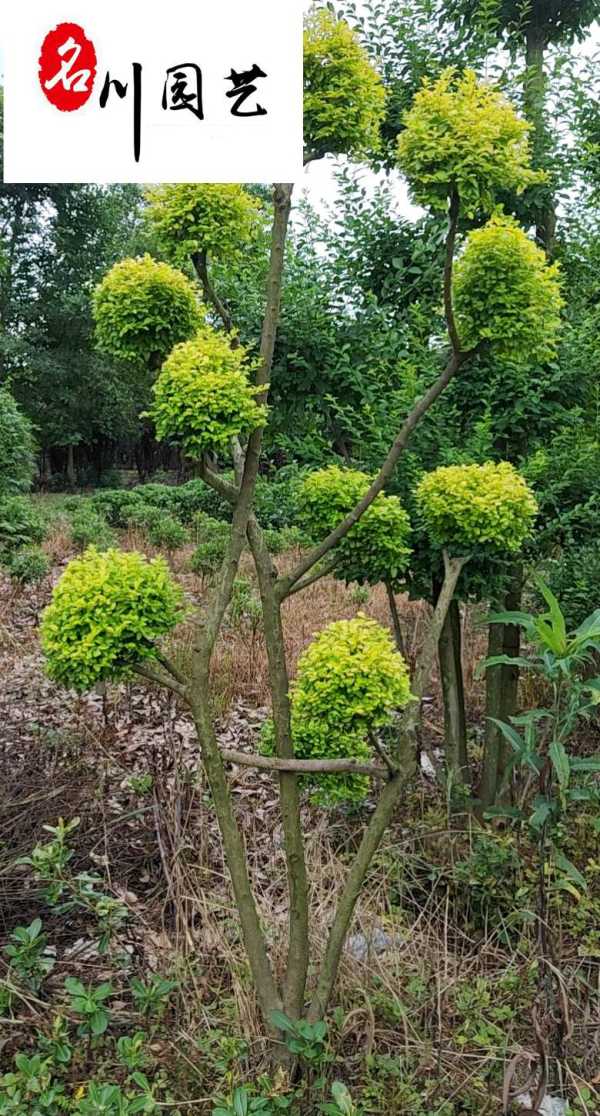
[(322, 571), (454, 214), (228, 491), (145, 671), (305, 767), (200, 262)]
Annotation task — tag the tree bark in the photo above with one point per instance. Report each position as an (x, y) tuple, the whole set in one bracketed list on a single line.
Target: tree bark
[(298, 938), (455, 719), (502, 686)]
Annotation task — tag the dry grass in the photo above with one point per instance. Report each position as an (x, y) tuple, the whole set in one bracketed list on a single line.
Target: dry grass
[(161, 852)]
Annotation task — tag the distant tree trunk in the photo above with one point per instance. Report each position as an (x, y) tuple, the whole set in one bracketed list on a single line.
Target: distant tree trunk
[(534, 100), (396, 623), (501, 693), (453, 691), (71, 476)]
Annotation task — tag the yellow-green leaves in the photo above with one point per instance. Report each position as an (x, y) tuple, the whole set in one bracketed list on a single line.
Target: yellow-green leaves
[(203, 397), (344, 97), (350, 682), (142, 309), (376, 549), (505, 292), (106, 614), (190, 217), (461, 134), (470, 507)]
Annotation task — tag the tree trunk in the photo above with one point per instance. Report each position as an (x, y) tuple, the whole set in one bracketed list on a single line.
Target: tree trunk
[(455, 720), (501, 693), (72, 479), (534, 100)]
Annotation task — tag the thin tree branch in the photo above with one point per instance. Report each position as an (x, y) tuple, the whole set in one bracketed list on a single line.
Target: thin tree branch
[(398, 633), (323, 571), (454, 214), (200, 262), (456, 360), (224, 488), (172, 669), (308, 767), (146, 671)]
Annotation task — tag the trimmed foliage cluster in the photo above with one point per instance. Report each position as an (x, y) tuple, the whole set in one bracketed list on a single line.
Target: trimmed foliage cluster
[(462, 134), (485, 506), (106, 614), (344, 96), (142, 309), (17, 447), (203, 397), (215, 218), (506, 293), (350, 683), (376, 549)]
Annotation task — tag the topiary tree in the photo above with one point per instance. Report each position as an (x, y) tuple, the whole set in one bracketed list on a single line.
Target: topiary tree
[(350, 685), (483, 507), (17, 447), (478, 513), (142, 309), (203, 397), (386, 687), (201, 222), (107, 613), (214, 219), (521, 319), (375, 550), (463, 135), (344, 96)]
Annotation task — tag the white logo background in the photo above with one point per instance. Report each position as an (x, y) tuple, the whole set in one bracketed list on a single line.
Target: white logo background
[(42, 144)]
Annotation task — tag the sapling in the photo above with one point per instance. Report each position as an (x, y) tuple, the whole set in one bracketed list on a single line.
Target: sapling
[(207, 414)]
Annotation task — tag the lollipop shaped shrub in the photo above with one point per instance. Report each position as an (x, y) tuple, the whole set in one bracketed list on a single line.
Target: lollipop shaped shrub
[(142, 309), (463, 136), (376, 549), (506, 293), (344, 96), (350, 683), (203, 397), (217, 219), (475, 507), (106, 615)]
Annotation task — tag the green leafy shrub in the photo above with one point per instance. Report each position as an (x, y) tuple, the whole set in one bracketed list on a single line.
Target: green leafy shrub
[(106, 614), (245, 609), (506, 293), (17, 447), (574, 577), (168, 533), (475, 506), (196, 496), (89, 528), (28, 565), (461, 134), (344, 96), (216, 218), (21, 524), (142, 309), (117, 505), (276, 502), (203, 397), (285, 539), (350, 683), (376, 549), (208, 556)]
